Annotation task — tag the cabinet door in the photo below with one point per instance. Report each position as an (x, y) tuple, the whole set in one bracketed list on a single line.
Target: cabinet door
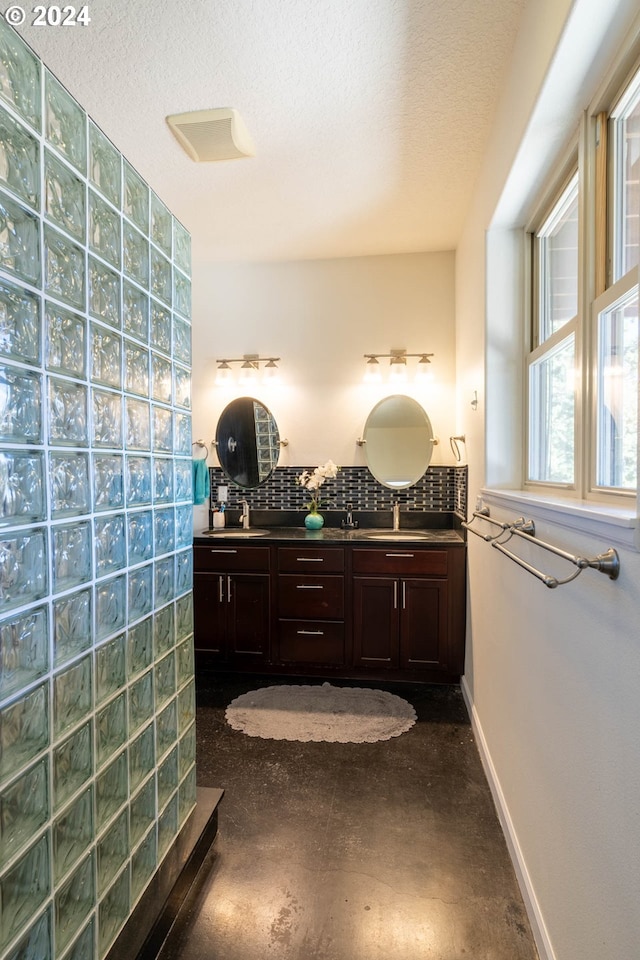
[(247, 599), (423, 623), (375, 622), (209, 614)]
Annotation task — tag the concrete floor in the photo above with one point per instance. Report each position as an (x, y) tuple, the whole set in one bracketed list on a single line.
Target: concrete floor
[(328, 851)]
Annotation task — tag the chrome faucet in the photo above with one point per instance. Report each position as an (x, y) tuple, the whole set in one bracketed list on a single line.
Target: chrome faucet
[(244, 516), (396, 515)]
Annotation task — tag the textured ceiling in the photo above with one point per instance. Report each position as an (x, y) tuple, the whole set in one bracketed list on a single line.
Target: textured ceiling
[(369, 117)]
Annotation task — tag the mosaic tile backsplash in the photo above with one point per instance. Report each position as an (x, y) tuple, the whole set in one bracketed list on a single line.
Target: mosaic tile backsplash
[(440, 489), (97, 702)]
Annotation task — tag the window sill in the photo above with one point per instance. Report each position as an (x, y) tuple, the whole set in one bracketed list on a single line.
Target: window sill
[(617, 524)]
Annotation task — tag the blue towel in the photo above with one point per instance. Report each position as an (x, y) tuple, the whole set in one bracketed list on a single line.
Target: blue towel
[(200, 480)]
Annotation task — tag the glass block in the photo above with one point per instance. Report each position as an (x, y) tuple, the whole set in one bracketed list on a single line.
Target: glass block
[(111, 729), (112, 850), (135, 311), (64, 197), (181, 294), (64, 269), (24, 730), (167, 826), (108, 481), (160, 281), (184, 571), (184, 526), (160, 224), (104, 293), (71, 626), (65, 123), (19, 323), (182, 247), (161, 379), (167, 777), (111, 790), (104, 230), (72, 764), (104, 165), (140, 645), (19, 76), (24, 808), (183, 479), (136, 369), (113, 911), (136, 255), (107, 418), (142, 758), (19, 241), (71, 555), (165, 678), (164, 532), (136, 198), (186, 707), (19, 160), (66, 339), (162, 430), (185, 661), (162, 480), (142, 812), (72, 834), (163, 630), (73, 903), (110, 668), (110, 545), (110, 606), (187, 750), (182, 386), (164, 580), (140, 592), (23, 890), (143, 864), (24, 650), (184, 617), (138, 478), (187, 795), (68, 422), (140, 536), (167, 728), (141, 701), (181, 340), (138, 425), (36, 944), (20, 405), (71, 696), (160, 327), (106, 356), (23, 568), (22, 498)]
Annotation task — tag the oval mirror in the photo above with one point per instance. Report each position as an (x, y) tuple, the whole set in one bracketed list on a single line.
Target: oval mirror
[(398, 441), (247, 442)]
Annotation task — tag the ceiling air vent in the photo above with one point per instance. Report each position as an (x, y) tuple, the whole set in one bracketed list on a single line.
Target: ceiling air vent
[(218, 134)]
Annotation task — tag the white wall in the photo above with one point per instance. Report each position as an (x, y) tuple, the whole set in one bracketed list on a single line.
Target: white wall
[(552, 676), (320, 317)]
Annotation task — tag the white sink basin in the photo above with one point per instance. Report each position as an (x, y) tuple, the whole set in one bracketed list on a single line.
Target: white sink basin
[(239, 534), (397, 535)]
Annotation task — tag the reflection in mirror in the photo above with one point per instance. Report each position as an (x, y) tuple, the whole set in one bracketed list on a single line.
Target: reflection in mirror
[(398, 441), (247, 442)]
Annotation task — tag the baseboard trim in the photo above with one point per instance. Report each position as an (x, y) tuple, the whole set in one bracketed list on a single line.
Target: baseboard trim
[(536, 920)]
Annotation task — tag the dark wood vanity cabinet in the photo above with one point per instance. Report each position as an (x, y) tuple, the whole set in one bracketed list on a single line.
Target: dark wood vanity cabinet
[(231, 594), (311, 605)]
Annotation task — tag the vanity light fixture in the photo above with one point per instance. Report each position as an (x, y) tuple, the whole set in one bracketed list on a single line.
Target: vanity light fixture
[(398, 369), (250, 366)]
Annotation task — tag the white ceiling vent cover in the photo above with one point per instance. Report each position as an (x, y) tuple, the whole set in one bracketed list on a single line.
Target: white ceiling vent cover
[(218, 134)]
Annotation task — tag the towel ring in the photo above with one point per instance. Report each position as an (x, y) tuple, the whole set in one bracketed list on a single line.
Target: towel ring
[(201, 443)]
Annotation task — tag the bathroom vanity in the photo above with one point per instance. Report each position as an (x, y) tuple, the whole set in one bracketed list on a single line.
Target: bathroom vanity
[(337, 603)]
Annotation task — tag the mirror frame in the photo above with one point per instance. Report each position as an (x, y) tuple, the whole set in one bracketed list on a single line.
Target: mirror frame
[(248, 448)]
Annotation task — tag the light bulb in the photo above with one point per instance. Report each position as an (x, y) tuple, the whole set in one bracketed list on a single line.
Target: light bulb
[(372, 373), (423, 370), (223, 373), (398, 370)]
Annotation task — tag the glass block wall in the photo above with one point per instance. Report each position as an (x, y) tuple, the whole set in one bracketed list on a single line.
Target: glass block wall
[(97, 703)]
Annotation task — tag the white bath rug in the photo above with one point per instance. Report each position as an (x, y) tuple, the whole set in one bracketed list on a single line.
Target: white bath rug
[(323, 712)]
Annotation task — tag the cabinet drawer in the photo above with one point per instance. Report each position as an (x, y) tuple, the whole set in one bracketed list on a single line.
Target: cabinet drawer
[(310, 560), (314, 641), (310, 596), (231, 558), (401, 560)]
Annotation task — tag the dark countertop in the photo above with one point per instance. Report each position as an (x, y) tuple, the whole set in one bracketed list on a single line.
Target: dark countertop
[(287, 534)]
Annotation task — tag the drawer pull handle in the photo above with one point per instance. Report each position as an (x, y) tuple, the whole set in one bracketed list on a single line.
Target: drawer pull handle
[(223, 550), (310, 559), (309, 586), (399, 554), (311, 633)]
